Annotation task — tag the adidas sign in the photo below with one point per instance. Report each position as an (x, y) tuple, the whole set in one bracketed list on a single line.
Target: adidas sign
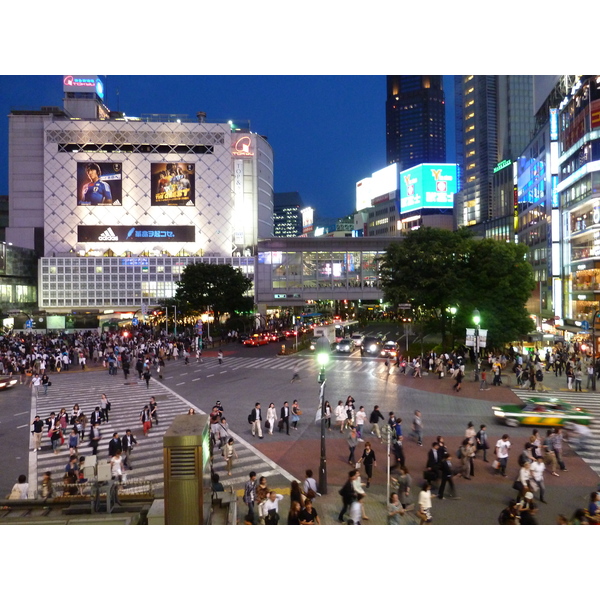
[(108, 236)]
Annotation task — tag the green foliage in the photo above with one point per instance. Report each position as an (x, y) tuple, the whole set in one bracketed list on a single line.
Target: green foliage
[(434, 269), (220, 287)]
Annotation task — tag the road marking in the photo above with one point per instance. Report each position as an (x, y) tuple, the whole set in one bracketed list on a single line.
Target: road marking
[(21, 413), (21, 426), (182, 383), (211, 375), (197, 379)]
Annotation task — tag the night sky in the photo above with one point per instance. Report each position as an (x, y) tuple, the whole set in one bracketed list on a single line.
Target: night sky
[(327, 132)]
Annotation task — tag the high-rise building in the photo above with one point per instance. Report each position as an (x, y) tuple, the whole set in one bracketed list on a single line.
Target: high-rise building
[(287, 215), (497, 123), (415, 120)]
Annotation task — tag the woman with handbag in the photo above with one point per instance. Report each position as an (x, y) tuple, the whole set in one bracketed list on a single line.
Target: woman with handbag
[(271, 416), (368, 460), (296, 412), (228, 454)]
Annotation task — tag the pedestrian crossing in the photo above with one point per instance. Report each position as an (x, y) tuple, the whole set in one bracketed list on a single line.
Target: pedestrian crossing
[(127, 400), (590, 402)]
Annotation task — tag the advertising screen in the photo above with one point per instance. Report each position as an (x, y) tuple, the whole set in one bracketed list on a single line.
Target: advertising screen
[(172, 184), (135, 233), (428, 186), (99, 183)]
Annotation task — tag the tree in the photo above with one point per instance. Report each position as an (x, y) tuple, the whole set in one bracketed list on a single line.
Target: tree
[(220, 287), (435, 269), (427, 269)]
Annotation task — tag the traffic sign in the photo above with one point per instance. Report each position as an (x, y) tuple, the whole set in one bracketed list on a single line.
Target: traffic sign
[(405, 306), (135, 321), (29, 323)]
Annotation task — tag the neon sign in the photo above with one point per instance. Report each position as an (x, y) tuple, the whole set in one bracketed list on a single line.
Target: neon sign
[(502, 165), (243, 147)]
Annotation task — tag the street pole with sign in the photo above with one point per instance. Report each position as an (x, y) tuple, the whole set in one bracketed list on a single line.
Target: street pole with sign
[(476, 320), (323, 348), (386, 435)]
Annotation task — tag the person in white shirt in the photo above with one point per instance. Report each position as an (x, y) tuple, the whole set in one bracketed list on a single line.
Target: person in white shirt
[(359, 419), (537, 469), (502, 447), (309, 487), (20, 489), (271, 508)]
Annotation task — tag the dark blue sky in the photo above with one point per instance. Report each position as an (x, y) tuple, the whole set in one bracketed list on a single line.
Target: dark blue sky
[(327, 132)]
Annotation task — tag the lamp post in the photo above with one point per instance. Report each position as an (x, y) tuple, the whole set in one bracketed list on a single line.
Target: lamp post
[(477, 321), (452, 310), (323, 349)]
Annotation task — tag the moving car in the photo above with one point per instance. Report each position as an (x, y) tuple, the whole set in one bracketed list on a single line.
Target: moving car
[(7, 382), (358, 339), (372, 346), (346, 346), (389, 350), (542, 412), (256, 339)]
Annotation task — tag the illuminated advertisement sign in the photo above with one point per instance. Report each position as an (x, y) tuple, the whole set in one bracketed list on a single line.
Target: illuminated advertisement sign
[(242, 146), (83, 83), (381, 183), (502, 165), (553, 124), (428, 186), (307, 219), (99, 183), (137, 233), (172, 184)]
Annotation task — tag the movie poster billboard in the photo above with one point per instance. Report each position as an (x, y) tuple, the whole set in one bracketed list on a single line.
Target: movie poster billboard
[(172, 184), (99, 184)]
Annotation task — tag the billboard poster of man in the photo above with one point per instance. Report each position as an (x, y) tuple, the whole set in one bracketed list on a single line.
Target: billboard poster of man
[(172, 184), (99, 184)]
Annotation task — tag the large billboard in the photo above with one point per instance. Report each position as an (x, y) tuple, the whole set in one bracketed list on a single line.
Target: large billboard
[(428, 186), (99, 183), (135, 233), (381, 183), (172, 184)]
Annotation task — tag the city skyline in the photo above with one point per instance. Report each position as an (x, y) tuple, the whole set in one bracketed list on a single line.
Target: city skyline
[(295, 113)]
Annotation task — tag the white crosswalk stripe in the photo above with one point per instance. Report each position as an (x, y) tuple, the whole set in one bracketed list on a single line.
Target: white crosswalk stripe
[(126, 403), (588, 401)]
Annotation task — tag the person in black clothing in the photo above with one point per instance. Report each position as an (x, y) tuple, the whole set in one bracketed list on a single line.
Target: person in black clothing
[(115, 445), (128, 442), (284, 420), (153, 405), (447, 478), (374, 419), (348, 493)]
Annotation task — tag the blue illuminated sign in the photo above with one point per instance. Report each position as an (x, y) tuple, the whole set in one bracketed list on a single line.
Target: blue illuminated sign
[(555, 199), (553, 124)]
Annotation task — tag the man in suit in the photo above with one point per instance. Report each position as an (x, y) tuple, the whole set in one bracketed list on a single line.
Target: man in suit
[(432, 468), (447, 477), (256, 418), (115, 445), (96, 417), (285, 418), (128, 443)]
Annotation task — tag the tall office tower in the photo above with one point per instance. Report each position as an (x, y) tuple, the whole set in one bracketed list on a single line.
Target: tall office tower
[(415, 120), (287, 216), (498, 120)]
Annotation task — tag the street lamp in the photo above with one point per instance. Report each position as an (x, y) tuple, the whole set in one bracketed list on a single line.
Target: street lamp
[(452, 310), (322, 349), (477, 321)]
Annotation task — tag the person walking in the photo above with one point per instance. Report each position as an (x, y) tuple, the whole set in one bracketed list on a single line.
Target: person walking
[(327, 416), (95, 437), (45, 382), (447, 478), (481, 441), (271, 416), (284, 418), (424, 504), (229, 454), (128, 443), (147, 376), (403, 484), (501, 451), (395, 510), (296, 412), (374, 419), (352, 443), (249, 496), (37, 432), (340, 415), (256, 420), (153, 406), (417, 427), (220, 356), (458, 376), (20, 490), (537, 469), (146, 419), (360, 418), (368, 460), (104, 407), (348, 493)]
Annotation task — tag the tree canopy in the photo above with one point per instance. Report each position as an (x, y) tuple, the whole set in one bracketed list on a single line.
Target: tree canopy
[(220, 287), (435, 269)]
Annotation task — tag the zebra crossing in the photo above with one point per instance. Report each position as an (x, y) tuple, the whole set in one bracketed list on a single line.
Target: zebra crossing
[(127, 400), (590, 402)]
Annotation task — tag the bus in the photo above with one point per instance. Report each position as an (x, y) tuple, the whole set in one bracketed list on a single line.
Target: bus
[(334, 332)]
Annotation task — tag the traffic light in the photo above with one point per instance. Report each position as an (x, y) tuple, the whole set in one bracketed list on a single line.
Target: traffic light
[(322, 359)]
